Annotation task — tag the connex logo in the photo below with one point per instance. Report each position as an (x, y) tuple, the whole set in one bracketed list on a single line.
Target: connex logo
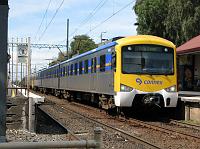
[(139, 81)]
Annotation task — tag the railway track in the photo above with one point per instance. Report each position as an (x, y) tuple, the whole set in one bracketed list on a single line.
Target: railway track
[(163, 129), (184, 124), (131, 122), (128, 136)]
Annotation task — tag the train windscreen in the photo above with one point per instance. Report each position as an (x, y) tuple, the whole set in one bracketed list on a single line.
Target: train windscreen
[(147, 59)]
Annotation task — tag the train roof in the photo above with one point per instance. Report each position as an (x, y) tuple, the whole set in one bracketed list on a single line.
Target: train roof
[(146, 38), (86, 53)]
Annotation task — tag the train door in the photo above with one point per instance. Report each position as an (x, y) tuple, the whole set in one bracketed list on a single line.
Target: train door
[(93, 73), (58, 76)]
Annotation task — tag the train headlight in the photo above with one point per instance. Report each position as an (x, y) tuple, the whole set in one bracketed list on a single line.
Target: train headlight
[(171, 89), (124, 88)]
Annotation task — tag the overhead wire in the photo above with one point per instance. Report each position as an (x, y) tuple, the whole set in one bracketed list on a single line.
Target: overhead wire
[(43, 18), (114, 13), (51, 20), (94, 11), (92, 14), (109, 17)]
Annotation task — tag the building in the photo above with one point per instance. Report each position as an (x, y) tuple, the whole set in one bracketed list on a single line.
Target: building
[(188, 56), (189, 65)]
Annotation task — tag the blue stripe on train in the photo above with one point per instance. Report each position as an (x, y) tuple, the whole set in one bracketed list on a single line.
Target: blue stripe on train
[(89, 65), (108, 60)]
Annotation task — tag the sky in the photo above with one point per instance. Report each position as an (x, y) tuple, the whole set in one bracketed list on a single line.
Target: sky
[(27, 18)]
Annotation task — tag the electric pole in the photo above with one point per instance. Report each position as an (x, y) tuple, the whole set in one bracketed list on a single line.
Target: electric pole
[(67, 42), (3, 65)]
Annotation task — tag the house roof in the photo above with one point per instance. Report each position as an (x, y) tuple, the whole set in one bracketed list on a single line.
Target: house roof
[(191, 46)]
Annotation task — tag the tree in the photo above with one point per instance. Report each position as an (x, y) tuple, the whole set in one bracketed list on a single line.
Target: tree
[(151, 16), (61, 57), (175, 20), (81, 44), (182, 22)]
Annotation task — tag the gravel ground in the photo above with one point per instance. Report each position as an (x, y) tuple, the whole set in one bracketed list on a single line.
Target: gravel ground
[(25, 136), (158, 138), (85, 130)]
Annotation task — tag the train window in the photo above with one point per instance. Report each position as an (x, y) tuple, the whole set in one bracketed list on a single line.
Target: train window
[(60, 72), (66, 71), (95, 65), (75, 69), (86, 67), (80, 67), (71, 70), (102, 63), (63, 71), (92, 65)]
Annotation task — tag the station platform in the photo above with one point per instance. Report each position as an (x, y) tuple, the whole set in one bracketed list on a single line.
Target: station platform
[(191, 105), (36, 98)]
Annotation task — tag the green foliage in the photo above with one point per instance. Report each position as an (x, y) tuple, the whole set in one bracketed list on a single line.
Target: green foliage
[(175, 20), (151, 16), (61, 57), (81, 44)]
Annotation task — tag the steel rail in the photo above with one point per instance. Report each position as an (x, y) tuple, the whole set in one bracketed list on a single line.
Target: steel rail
[(165, 130), (184, 124), (159, 128), (126, 134)]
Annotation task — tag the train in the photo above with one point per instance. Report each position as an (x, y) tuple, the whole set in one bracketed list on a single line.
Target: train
[(128, 72)]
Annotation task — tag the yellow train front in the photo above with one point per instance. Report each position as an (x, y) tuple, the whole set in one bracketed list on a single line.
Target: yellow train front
[(145, 72)]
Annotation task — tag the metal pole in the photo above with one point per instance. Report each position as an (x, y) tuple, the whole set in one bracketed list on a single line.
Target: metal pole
[(29, 64), (26, 69), (49, 144), (3, 65), (23, 74), (98, 137), (67, 44), (12, 61), (9, 66), (28, 86), (21, 78), (17, 66)]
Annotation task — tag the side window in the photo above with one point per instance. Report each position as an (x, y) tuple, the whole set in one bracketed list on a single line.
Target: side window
[(57, 72), (63, 71), (86, 67), (60, 73), (66, 71), (71, 70), (102, 63), (75, 69), (95, 65), (92, 65), (80, 67)]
